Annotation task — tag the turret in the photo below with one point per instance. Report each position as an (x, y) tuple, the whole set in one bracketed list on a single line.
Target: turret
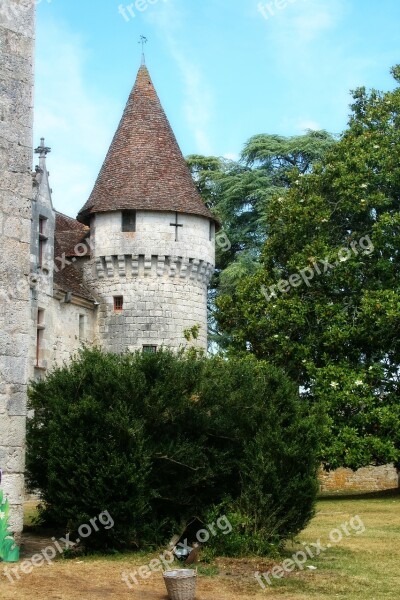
[(152, 237)]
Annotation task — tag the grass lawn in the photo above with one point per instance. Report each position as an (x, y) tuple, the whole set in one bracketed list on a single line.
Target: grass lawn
[(360, 566)]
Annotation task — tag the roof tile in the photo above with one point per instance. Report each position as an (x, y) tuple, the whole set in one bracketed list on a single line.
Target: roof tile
[(144, 168)]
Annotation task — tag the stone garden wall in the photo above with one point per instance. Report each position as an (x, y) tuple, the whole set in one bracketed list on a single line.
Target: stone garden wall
[(368, 479)]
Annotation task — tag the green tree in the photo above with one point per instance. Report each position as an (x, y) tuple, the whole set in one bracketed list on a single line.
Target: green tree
[(335, 329), (239, 193)]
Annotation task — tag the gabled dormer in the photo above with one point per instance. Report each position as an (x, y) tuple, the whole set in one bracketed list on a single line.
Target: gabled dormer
[(43, 223)]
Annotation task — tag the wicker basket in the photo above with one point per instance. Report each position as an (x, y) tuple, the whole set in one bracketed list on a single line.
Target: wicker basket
[(181, 584)]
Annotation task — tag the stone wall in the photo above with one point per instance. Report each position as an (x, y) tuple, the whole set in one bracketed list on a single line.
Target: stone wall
[(154, 235), (163, 280), (156, 312), (16, 116), (69, 327), (66, 321), (368, 479)]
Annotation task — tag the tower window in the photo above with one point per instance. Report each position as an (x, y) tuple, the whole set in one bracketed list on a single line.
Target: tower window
[(150, 349), (42, 240), (212, 229), (118, 303), (81, 327), (129, 220), (39, 336)]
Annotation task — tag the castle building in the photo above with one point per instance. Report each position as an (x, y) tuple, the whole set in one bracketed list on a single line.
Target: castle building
[(129, 274)]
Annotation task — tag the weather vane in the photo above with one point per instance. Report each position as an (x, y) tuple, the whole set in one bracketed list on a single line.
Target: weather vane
[(143, 40)]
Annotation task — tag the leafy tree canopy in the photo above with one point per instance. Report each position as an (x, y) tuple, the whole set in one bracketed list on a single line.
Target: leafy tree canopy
[(239, 194), (325, 302)]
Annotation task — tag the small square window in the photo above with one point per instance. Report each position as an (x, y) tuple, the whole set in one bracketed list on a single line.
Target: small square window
[(118, 303), (150, 349), (129, 220)]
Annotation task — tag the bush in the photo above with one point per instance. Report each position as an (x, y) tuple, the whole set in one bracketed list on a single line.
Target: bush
[(156, 439)]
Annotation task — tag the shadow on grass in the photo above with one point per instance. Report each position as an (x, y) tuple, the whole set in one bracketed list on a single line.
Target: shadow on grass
[(385, 494)]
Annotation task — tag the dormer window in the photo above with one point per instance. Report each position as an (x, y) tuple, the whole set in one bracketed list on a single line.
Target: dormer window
[(128, 221)]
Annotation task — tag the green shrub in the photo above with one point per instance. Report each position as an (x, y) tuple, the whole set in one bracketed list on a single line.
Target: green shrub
[(243, 540), (155, 439)]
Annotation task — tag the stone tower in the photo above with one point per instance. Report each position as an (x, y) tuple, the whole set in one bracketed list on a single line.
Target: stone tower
[(16, 117), (152, 237)]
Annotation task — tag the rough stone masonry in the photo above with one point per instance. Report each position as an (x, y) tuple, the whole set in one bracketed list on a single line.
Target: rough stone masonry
[(16, 117)]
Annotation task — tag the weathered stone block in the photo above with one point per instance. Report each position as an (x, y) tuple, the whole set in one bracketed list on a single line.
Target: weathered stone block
[(16, 520), (12, 430), (13, 486), (16, 405), (11, 459)]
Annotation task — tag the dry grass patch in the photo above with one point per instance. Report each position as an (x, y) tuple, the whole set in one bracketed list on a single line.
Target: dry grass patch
[(360, 567)]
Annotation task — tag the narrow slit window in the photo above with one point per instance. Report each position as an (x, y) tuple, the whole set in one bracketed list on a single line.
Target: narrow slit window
[(129, 221), (118, 303), (39, 337), (42, 240), (81, 327)]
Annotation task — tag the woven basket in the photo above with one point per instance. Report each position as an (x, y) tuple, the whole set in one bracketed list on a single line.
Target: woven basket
[(181, 584)]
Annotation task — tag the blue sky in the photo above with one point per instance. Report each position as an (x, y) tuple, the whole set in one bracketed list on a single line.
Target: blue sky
[(224, 69)]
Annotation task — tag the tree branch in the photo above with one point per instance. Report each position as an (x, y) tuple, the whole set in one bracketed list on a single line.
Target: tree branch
[(178, 463)]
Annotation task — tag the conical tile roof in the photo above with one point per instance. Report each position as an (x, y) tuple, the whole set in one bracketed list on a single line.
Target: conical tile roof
[(144, 168)]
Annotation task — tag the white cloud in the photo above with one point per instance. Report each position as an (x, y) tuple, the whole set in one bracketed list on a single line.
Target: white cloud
[(198, 107), (305, 20), (308, 49), (76, 121), (308, 124), (314, 18), (198, 102), (298, 31)]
